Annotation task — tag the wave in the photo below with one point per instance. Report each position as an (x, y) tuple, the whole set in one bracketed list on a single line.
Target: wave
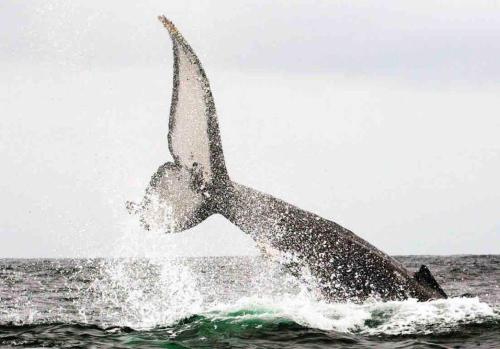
[(369, 318), (218, 297), (259, 315), (291, 322), (146, 295)]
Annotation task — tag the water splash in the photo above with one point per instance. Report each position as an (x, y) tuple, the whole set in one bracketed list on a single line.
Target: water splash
[(151, 289), (147, 293), (141, 293), (143, 290), (237, 293), (370, 318)]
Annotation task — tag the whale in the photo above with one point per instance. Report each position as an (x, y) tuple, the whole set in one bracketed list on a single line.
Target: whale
[(182, 193)]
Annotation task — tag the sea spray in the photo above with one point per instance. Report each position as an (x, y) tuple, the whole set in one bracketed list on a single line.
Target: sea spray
[(371, 318), (237, 302), (142, 293), (142, 286)]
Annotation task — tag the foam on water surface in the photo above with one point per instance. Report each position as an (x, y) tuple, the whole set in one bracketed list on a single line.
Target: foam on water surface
[(235, 302), (372, 318), (144, 294)]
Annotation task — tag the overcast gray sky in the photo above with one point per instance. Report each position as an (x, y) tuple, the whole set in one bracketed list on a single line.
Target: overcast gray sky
[(383, 116)]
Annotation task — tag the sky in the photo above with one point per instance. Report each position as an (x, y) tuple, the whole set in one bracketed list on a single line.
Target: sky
[(383, 117)]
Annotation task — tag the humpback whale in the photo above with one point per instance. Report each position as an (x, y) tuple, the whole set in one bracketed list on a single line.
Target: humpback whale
[(182, 193)]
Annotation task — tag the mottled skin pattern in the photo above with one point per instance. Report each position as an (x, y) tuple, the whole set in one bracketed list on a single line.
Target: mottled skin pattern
[(343, 265), (183, 193)]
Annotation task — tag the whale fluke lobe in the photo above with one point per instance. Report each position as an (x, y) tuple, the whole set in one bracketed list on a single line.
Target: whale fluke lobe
[(183, 193), (193, 137), (196, 185)]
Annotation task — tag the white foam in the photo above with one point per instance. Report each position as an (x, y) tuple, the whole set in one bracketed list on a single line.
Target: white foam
[(157, 291), (144, 293), (141, 293), (372, 318)]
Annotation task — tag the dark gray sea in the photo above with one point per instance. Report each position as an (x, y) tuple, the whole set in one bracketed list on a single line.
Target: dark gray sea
[(236, 302)]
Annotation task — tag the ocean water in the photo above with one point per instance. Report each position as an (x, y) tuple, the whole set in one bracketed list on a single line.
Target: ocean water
[(234, 302)]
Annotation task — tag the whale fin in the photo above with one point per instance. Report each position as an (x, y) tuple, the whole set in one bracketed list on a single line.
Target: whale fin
[(184, 193), (424, 277), (193, 137)]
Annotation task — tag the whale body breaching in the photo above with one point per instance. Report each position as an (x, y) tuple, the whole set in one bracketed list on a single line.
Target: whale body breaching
[(196, 184)]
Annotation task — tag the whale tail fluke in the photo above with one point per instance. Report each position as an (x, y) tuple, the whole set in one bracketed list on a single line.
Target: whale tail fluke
[(184, 192), (193, 138)]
